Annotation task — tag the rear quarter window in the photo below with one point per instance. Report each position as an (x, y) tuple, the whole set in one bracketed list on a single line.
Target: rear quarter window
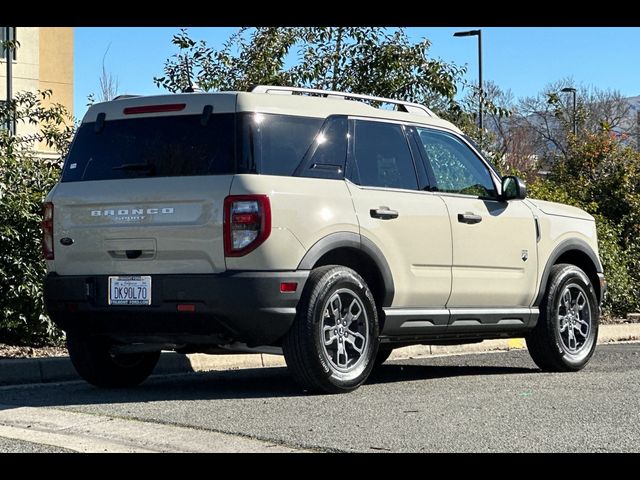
[(275, 144)]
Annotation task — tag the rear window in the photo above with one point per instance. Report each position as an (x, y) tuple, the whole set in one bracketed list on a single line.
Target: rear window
[(178, 145)]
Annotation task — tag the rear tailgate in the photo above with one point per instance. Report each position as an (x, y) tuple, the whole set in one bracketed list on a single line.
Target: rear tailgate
[(143, 187), (139, 226)]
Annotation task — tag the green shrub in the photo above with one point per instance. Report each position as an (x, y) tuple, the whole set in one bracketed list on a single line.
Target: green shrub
[(602, 176), (25, 179), (617, 264)]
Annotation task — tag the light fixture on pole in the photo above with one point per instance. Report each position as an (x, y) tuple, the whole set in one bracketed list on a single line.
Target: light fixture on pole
[(476, 33), (575, 123)]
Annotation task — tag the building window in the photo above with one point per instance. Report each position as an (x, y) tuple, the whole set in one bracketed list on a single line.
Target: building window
[(3, 38)]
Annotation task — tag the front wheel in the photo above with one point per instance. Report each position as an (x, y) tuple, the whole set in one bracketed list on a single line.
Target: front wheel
[(333, 342), (565, 337), (93, 360)]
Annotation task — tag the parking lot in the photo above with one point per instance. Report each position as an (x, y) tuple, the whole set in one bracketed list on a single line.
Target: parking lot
[(492, 402)]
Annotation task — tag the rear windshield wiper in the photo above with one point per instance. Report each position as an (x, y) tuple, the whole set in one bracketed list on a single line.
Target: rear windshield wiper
[(142, 167)]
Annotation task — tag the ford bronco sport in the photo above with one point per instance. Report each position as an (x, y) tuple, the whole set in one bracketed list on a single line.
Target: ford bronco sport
[(306, 222)]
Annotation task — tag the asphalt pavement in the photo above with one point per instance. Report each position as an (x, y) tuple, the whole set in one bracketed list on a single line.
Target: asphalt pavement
[(10, 445), (489, 402)]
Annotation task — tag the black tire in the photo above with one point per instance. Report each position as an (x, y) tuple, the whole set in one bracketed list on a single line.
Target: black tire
[(382, 356), (94, 362), (313, 363), (551, 347)]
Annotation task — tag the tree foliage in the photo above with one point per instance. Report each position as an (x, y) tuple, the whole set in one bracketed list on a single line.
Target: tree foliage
[(25, 178), (371, 60), (539, 128)]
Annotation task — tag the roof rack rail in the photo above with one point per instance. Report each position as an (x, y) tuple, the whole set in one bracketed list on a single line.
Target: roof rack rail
[(407, 106)]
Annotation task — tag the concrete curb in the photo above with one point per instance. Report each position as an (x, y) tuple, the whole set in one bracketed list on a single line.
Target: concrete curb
[(58, 369)]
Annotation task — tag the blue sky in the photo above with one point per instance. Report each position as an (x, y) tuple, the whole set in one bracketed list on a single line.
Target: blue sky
[(523, 59)]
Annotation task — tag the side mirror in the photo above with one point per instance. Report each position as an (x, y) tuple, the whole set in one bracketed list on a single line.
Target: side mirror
[(513, 188)]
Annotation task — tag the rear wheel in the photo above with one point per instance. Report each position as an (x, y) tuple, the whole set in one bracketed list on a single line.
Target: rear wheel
[(93, 360), (565, 337), (333, 341)]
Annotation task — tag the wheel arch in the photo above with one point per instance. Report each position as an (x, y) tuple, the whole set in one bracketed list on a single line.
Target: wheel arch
[(575, 252), (358, 252)]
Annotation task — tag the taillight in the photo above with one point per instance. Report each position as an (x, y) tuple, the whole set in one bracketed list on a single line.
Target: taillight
[(247, 223), (47, 230)]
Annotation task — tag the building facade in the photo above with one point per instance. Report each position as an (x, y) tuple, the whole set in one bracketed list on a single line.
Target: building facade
[(43, 61)]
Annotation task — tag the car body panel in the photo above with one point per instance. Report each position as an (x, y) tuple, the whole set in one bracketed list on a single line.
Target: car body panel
[(303, 211)]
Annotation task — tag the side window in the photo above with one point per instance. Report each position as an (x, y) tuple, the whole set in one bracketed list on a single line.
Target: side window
[(382, 156), (455, 167), (328, 152)]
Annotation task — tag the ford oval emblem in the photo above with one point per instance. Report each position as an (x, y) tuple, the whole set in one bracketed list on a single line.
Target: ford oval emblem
[(66, 241)]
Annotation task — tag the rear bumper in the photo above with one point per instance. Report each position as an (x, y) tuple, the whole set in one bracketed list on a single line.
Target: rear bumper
[(232, 306)]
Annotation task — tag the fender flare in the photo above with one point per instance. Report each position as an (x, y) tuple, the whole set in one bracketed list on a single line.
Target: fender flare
[(563, 247), (353, 240)]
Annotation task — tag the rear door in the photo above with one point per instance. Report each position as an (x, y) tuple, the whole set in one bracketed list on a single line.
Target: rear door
[(143, 193), (408, 224)]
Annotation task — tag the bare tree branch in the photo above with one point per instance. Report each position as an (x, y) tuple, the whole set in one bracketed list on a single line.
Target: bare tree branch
[(108, 83)]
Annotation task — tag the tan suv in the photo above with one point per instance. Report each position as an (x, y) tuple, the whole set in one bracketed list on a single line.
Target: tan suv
[(305, 222)]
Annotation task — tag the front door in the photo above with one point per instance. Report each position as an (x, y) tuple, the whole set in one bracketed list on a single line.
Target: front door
[(494, 263)]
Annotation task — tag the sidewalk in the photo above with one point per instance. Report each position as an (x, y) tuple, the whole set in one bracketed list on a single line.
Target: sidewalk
[(44, 370)]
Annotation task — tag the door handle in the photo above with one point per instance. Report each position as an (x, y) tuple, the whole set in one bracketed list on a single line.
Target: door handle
[(470, 218), (385, 213)]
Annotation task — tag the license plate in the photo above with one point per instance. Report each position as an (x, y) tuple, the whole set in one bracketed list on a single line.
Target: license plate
[(130, 290)]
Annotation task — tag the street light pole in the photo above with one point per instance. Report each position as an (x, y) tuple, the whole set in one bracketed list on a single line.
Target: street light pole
[(477, 33), (575, 122)]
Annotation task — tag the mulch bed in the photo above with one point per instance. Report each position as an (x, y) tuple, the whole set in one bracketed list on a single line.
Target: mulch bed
[(12, 351)]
